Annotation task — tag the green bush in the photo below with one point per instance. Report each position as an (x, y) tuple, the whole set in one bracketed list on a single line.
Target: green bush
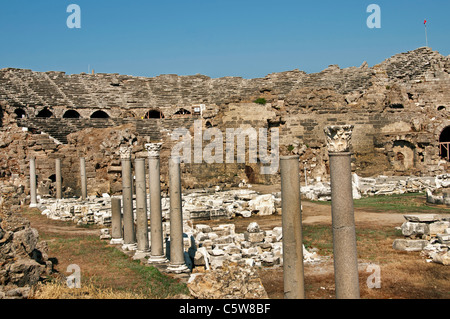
[(260, 101)]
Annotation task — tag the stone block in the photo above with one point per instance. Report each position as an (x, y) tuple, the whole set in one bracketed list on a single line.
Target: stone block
[(425, 218), (254, 237), (415, 229), (438, 227), (409, 244)]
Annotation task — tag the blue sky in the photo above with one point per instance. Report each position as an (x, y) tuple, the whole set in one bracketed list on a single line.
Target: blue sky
[(217, 38)]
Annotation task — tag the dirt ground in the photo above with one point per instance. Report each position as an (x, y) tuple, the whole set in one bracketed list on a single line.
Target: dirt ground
[(404, 275)]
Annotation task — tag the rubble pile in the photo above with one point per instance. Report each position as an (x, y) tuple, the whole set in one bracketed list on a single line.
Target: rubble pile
[(210, 247), (23, 258), (427, 233)]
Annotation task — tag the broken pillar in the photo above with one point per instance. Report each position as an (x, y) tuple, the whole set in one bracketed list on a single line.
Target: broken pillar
[(157, 241), (177, 262), (116, 222), (293, 272), (58, 178), (129, 235), (33, 183), (143, 249), (342, 211), (83, 178)]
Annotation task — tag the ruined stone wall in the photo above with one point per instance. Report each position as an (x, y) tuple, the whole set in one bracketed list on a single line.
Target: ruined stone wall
[(399, 109)]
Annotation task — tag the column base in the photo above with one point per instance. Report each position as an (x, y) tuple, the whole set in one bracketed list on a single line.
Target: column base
[(116, 241), (139, 254), (34, 205), (158, 259), (129, 246), (178, 269)]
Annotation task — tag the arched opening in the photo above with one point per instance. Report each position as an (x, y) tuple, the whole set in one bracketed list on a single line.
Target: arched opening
[(154, 114), (182, 112), (45, 113), (20, 113), (250, 173), (444, 144), (208, 124), (71, 114), (99, 115), (404, 155), (441, 108)]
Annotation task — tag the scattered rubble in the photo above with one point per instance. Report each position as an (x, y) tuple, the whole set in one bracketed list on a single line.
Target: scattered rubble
[(427, 233), (23, 257)]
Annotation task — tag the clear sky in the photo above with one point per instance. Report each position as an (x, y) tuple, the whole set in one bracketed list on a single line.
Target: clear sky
[(217, 38)]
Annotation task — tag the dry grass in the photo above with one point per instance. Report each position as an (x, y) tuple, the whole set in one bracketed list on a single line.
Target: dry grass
[(59, 290)]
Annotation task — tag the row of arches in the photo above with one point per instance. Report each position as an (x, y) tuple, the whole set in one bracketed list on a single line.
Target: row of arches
[(72, 114)]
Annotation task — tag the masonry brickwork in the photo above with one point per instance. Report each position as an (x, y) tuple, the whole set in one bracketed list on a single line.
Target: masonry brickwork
[(399, 109)]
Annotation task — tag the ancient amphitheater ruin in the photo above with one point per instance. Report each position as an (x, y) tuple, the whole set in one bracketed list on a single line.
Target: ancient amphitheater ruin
[(398, 110)]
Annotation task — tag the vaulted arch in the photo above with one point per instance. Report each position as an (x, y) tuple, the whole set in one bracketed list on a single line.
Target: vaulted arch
[(45, 113), (154, 114), (71, 114), (99, 115), (444, 143)]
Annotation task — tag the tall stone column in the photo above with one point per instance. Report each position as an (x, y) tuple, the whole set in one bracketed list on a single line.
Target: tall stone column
[(33, 183), (143, 249), (177, 263), (342, 211), (129, 235), (58, 179), (116, 222), (83, 178), (293, 271), (157, 241)]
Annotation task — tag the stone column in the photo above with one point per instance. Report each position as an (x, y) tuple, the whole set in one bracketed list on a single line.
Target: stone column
[(177, 263), (143, 249), (293, 272), (342, 212), (58, 179), (33, 183), (156, 229), (83, 178), (129, 235), (116, 222)]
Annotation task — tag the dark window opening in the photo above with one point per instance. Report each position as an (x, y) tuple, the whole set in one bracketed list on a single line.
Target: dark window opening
[(182, 112), (20, 113), (208, 124), (250, 173), (444, 144), (45, 113), (99, 115), (396, 106), (441, 108), (154, 114), (71, 114)]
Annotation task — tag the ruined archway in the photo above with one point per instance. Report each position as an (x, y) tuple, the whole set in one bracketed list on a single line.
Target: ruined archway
[(45, 113), (154, 114), (404, 155), (71, 114), (444, 144), (99, 115)]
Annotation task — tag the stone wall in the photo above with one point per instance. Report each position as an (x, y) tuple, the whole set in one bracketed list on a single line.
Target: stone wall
[(399, 109)]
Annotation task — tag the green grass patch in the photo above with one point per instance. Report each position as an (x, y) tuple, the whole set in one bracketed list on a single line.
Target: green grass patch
[(411, 203)]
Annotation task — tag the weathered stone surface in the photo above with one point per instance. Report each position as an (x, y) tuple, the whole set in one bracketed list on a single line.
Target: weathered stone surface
[(409, 244), (230, 282)]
